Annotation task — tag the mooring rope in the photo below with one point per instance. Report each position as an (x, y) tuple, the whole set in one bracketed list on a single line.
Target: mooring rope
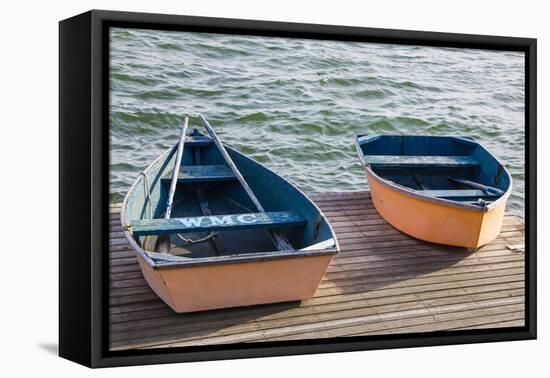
[(193, 241)]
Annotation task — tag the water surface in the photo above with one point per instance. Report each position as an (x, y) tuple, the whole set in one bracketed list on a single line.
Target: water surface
[(295, 104)]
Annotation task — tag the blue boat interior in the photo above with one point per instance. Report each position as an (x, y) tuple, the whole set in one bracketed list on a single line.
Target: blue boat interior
[(212, 215), (449, 167)]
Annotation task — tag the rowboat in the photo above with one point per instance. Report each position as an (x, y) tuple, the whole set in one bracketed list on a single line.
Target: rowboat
[(212, 228), (442, 189)]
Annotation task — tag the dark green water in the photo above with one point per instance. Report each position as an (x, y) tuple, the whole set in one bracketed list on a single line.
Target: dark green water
[(295, 105)]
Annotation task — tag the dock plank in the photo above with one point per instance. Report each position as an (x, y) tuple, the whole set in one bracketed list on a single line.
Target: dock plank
[(381, 282)]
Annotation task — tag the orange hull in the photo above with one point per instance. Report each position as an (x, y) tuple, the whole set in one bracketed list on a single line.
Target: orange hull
[(197, 288), (435, 222)]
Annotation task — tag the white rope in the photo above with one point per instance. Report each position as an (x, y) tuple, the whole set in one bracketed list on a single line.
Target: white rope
[(193, 241)]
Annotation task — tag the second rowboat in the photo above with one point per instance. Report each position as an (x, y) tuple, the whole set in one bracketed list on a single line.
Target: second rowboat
[(442, 189)]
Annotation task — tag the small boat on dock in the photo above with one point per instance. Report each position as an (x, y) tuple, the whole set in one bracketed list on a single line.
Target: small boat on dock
[(442, 189), (212, 228)]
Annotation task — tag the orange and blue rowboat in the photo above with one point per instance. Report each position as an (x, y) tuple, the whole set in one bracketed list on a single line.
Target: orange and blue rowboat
[(234, 233), (441, 189)]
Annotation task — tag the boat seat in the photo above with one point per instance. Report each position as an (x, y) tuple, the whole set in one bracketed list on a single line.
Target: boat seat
[(198, 141), (227, 222), (202, 173), (410, 161), (455, 193)]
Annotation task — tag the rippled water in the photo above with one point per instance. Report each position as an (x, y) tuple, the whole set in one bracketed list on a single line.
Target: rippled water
[(295, 105)]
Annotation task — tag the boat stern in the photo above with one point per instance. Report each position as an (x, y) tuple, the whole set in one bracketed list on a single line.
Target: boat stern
[(215, 286)]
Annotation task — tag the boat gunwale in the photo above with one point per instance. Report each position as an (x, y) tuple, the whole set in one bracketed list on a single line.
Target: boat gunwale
[(239, 258), (436, 200), (242, 258)]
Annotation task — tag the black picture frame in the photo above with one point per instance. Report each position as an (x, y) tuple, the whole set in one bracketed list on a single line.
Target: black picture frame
[(83, 196)]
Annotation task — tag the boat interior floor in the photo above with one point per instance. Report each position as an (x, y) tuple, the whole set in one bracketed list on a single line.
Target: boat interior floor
[(222, 242), (455, 184)]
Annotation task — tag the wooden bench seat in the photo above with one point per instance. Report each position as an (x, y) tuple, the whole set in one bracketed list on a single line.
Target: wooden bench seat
[(405, 161), (455, 193), (227, 222), (202, 173), (198, 141)]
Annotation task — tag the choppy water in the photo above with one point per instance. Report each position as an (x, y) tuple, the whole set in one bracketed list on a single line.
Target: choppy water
[(295, 105)]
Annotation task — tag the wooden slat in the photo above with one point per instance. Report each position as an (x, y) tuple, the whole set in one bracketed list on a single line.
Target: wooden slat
[(381, 282), (409, 161), (482, 317), (197, 141), (343, 313), (457, 193), (471, 318), (151, 310), (228, 222), (137, 319), (517, 321), (203, 173), (325, 322)]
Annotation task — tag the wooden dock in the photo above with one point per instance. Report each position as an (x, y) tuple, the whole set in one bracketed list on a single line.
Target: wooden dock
[(381, 282)]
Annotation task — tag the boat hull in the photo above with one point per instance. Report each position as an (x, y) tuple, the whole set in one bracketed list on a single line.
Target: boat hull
[(435, 222), (248, 269), (198, 288)]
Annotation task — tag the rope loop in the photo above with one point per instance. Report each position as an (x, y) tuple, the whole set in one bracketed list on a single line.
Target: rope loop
[(193, 241)]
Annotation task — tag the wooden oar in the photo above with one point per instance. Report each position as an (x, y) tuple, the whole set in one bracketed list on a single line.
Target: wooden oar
[(490, 190), (281, 242), (163, 242)]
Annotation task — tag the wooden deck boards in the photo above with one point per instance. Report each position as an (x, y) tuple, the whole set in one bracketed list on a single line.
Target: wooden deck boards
[(381, 282)]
